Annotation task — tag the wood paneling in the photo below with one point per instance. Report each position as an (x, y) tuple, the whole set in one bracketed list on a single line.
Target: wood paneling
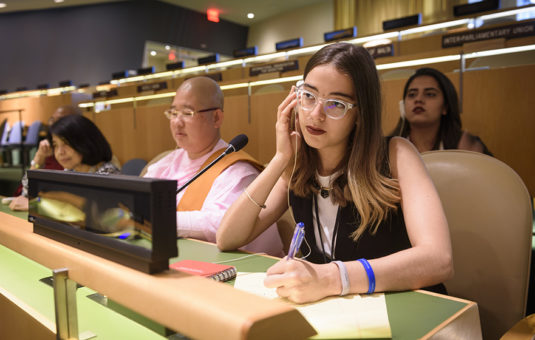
[(17, 322), (37, 108), (140, 133), (236, 121), (499, 106), (260, 128), (265, 116)]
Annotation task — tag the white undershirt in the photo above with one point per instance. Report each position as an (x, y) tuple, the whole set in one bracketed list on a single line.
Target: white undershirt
[(327, 211)]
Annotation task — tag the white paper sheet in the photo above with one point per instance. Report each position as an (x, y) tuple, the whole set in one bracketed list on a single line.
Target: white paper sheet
[(348, 317)]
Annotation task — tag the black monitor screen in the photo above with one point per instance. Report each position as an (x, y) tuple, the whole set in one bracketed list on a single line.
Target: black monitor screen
[(128, 219)]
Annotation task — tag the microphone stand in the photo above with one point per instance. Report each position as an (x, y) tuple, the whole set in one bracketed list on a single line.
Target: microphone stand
[(206, 168)]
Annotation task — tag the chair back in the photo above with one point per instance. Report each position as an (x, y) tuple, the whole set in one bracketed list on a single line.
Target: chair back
[(15, 134), (490, 219), (133, 167), (32, 135)]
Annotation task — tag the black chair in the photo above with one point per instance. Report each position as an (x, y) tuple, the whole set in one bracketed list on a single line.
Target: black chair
[(14, 141), (2, 132), (133, 167), (6, 153)]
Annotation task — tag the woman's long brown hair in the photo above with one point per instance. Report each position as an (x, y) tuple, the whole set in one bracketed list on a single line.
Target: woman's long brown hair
[(364, 172)]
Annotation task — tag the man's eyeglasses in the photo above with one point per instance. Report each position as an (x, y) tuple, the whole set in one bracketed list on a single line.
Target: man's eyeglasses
[(333, 108), (185, 112)]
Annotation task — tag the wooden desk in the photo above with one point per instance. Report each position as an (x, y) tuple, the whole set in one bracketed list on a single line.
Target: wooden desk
[(169, 298)]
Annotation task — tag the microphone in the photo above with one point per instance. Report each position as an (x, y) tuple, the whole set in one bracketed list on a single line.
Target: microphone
[(236, 144)]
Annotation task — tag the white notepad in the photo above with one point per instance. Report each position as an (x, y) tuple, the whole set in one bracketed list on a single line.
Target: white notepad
[(348, 317)]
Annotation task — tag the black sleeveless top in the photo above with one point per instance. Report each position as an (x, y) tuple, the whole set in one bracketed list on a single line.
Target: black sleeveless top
[(391, 235)]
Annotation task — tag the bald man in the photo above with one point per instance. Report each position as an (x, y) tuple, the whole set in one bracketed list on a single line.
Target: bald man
[(195, 117)]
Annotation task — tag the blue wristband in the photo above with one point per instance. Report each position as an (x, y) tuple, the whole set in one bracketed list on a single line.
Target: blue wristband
[(371, 275)]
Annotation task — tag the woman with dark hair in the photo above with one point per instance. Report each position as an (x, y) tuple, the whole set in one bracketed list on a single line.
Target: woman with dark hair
[(373, 220), (430, 115), (78, 145)]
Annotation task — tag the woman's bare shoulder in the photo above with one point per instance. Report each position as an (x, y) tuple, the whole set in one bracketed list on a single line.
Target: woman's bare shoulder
[(402, 153)]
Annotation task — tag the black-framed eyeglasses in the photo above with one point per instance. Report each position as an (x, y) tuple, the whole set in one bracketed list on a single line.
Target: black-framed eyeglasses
[(185, 112), (333, 108)]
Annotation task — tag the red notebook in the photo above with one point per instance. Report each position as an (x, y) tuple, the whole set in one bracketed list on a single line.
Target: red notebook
[(216, 271)]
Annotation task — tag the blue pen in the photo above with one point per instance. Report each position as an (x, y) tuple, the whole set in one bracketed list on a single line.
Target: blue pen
[(124, 236), (297, 239)]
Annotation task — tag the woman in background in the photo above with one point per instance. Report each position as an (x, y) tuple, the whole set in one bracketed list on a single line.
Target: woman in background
[(78, 145), (373, 220), (430, 115)]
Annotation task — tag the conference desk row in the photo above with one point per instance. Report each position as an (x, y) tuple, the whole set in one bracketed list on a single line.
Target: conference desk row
[(116, 302)]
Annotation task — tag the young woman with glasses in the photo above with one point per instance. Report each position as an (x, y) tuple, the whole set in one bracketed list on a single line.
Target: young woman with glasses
[(373, 220)]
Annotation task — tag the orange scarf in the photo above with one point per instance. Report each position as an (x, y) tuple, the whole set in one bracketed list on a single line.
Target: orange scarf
[(196, 192)]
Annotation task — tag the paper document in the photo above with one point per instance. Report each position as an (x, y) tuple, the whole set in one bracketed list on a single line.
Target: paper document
[(348, 317)]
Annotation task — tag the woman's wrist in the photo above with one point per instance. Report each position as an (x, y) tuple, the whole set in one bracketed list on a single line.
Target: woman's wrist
[(38, 160), (332, 278), (279, 162), (36, 164)]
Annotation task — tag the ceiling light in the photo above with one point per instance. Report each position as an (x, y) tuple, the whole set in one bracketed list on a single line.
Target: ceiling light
[(2, 5), (153, 53), (250, 15), (167, 47), (58, 1)]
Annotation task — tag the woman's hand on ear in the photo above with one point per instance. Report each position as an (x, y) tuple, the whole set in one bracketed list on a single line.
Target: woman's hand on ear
[(285, 143)]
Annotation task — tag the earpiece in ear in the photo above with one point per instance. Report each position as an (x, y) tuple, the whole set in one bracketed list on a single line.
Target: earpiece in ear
[(297, 86), (402, 109)]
